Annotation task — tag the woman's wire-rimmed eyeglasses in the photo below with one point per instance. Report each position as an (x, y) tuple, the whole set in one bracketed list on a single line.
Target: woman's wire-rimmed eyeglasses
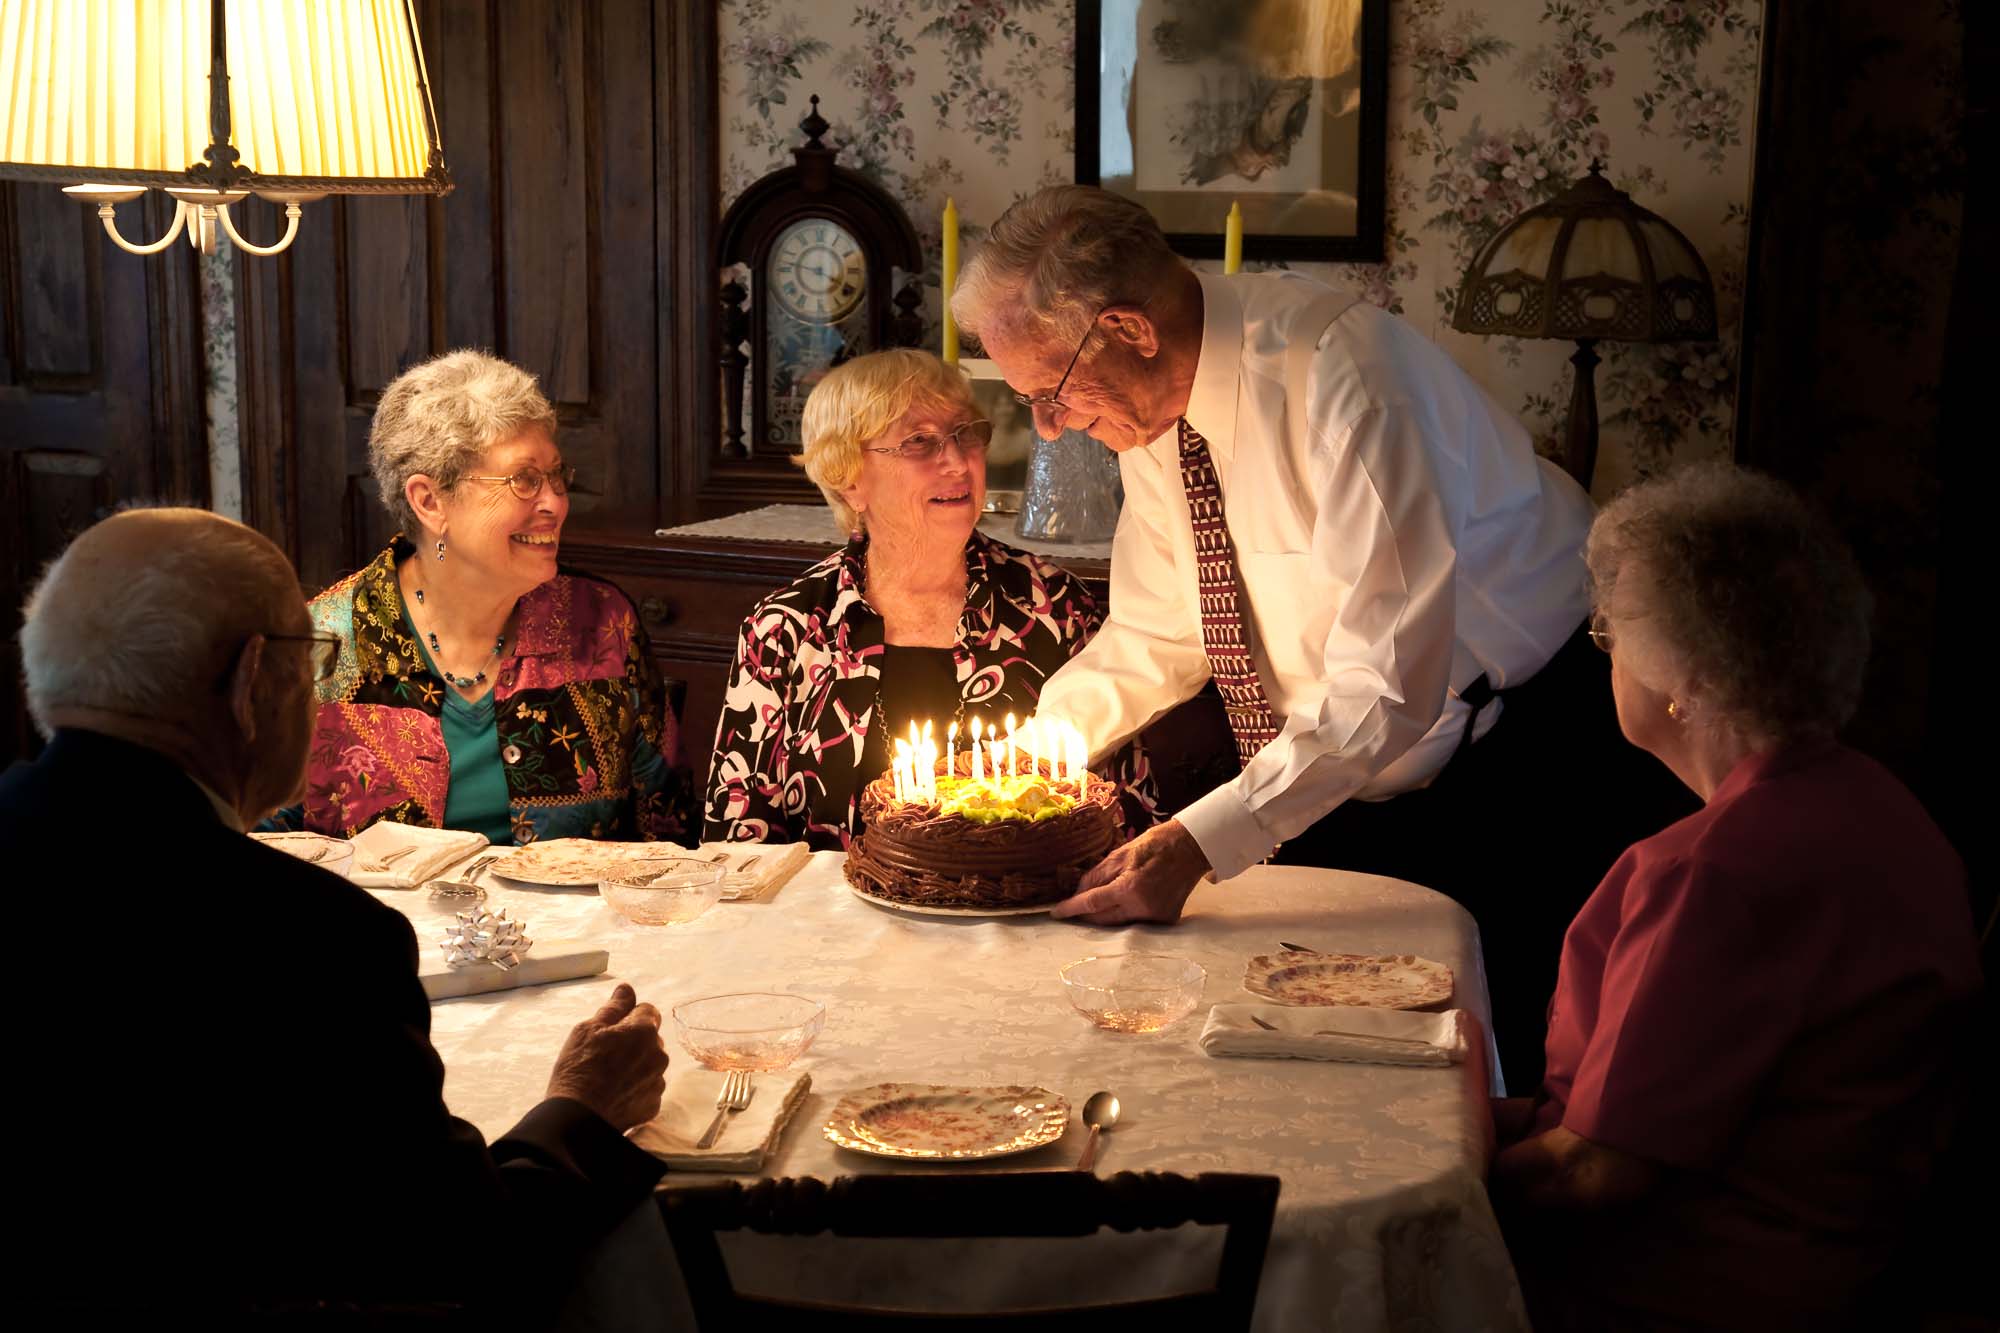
[(527, 483), (972, 437), (1600, 631)]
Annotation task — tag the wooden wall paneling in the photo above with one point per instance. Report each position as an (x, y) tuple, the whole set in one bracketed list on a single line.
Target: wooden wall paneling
[(460, 50), (100, 386), (625, 370), (687, 181)]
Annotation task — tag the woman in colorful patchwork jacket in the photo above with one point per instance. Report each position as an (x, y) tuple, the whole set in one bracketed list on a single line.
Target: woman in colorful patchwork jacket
[(920, 617), (479, 687)]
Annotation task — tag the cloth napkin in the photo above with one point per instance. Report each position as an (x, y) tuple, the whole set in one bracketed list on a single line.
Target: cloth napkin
[(747, 1137), (1336, 1032), (431, 850), (776, 863)]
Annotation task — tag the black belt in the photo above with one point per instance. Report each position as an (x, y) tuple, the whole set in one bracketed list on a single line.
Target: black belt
[(1481, 692), (1476, 695)]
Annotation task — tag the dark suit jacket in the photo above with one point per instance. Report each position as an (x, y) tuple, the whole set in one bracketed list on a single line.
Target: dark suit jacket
[(224, 1061)]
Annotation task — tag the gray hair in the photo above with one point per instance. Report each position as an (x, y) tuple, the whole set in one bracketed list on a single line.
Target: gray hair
[(148, 637), (1741, 602), (438, 417), (1055, 259)]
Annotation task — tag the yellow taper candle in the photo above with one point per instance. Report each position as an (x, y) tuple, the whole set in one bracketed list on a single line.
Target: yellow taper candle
[(1232, 240), (949, 272)]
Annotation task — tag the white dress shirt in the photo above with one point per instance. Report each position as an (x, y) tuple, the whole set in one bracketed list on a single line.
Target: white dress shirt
[(1413, 541)]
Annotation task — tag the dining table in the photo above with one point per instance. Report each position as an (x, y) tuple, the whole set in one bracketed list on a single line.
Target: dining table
[(1382, 1219)]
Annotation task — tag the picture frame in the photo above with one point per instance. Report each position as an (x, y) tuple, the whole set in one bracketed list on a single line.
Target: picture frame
[(1013, 434), (1280, 106)]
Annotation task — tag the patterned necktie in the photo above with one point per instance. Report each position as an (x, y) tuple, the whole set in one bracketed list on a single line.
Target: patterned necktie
[(1222, 630)]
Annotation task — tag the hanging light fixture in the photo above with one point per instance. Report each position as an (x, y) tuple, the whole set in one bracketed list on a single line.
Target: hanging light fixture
[(215, 102)]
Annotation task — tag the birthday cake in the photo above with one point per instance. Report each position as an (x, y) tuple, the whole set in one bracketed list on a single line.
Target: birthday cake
[(1010, 841)]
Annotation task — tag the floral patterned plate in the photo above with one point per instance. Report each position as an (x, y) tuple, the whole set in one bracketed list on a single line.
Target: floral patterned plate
[(1387, 981), (941, 1123), (574, 863)]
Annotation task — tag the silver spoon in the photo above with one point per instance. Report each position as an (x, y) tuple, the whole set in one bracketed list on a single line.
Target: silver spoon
[(1100, 1113)]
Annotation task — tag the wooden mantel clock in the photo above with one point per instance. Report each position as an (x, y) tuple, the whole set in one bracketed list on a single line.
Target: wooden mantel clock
[(822, 244)]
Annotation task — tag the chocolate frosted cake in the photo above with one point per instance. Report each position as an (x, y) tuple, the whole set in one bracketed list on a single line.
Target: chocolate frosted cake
[(991, 843)]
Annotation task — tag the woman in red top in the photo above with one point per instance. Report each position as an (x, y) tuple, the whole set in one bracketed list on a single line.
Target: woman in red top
[(1751, 1046)]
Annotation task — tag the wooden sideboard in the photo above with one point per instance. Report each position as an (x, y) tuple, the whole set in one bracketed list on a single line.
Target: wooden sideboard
[(694, 591)]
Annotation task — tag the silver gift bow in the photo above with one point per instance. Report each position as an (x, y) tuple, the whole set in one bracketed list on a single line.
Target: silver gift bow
[(482, 937)]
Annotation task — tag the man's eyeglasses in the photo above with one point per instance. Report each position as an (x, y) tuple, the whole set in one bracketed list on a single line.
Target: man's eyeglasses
[(527, 483), (1600, 631), (325, 650), (971, 438), (1053, 399)]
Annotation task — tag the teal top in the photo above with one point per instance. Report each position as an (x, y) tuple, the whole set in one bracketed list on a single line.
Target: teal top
[(476, 797)]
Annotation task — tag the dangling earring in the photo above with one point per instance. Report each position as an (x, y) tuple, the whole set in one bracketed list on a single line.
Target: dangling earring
[(440, 548)]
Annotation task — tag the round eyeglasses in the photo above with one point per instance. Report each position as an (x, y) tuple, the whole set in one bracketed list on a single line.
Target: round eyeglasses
[(971, 438), (527, 483), (1600, 631)]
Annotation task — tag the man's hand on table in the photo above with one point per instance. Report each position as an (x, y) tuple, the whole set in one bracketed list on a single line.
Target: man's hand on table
[(614, 1062), (1148, 879)]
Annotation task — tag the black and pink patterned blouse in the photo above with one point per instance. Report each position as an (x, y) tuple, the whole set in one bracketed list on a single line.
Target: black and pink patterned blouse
[(806, 689)]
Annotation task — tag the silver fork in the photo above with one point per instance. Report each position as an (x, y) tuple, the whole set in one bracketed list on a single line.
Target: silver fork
[(375, 867), (735, 1096), (478, 866)]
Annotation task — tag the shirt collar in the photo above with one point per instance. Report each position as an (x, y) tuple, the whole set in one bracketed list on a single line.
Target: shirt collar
[(224, 811), (1211, 407)]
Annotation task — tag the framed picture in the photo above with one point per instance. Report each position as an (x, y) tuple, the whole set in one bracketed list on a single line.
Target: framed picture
[(1278, 105), (1013, 434)]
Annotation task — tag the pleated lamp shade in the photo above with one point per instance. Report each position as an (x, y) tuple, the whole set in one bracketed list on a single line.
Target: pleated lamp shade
[(329, 96)]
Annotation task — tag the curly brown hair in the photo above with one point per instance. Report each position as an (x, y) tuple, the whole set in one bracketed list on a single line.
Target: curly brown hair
[(1726, 591)]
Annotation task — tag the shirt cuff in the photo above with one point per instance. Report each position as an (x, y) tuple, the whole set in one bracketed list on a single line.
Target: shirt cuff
[(1227, 831)]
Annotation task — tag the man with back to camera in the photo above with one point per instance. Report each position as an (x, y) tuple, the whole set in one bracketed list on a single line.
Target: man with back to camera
[(241, 1108)]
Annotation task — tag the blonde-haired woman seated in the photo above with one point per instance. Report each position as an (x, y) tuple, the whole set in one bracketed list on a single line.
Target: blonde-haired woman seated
[(919, 617), (478, 687)]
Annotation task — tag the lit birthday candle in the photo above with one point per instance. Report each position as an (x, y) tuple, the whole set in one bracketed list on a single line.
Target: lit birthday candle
[(972, 764), (1013, 766), (951, 749)]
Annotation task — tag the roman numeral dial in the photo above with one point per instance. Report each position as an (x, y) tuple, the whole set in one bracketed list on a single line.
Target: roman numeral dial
[(817, 271)]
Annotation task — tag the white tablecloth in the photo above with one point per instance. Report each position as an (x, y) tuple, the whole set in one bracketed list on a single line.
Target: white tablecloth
[(813, 525), (1383, 1221)]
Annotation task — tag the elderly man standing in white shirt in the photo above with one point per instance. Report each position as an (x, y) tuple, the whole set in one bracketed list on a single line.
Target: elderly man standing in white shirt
[(1328, 517)]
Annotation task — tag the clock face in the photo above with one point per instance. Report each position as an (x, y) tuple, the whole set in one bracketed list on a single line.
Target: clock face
[(817, 271)]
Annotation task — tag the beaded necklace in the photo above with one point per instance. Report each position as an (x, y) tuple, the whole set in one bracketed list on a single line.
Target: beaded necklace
[(437, 655)]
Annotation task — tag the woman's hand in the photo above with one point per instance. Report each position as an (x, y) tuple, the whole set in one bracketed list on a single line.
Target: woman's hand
[(1563, 1170)]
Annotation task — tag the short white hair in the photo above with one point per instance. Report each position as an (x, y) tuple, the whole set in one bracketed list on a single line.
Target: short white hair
[(440, 416), (1739, 600), (149, 637), (1057, 258)]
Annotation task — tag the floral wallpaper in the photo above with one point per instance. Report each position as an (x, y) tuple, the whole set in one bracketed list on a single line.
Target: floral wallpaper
[(1494, 106)]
